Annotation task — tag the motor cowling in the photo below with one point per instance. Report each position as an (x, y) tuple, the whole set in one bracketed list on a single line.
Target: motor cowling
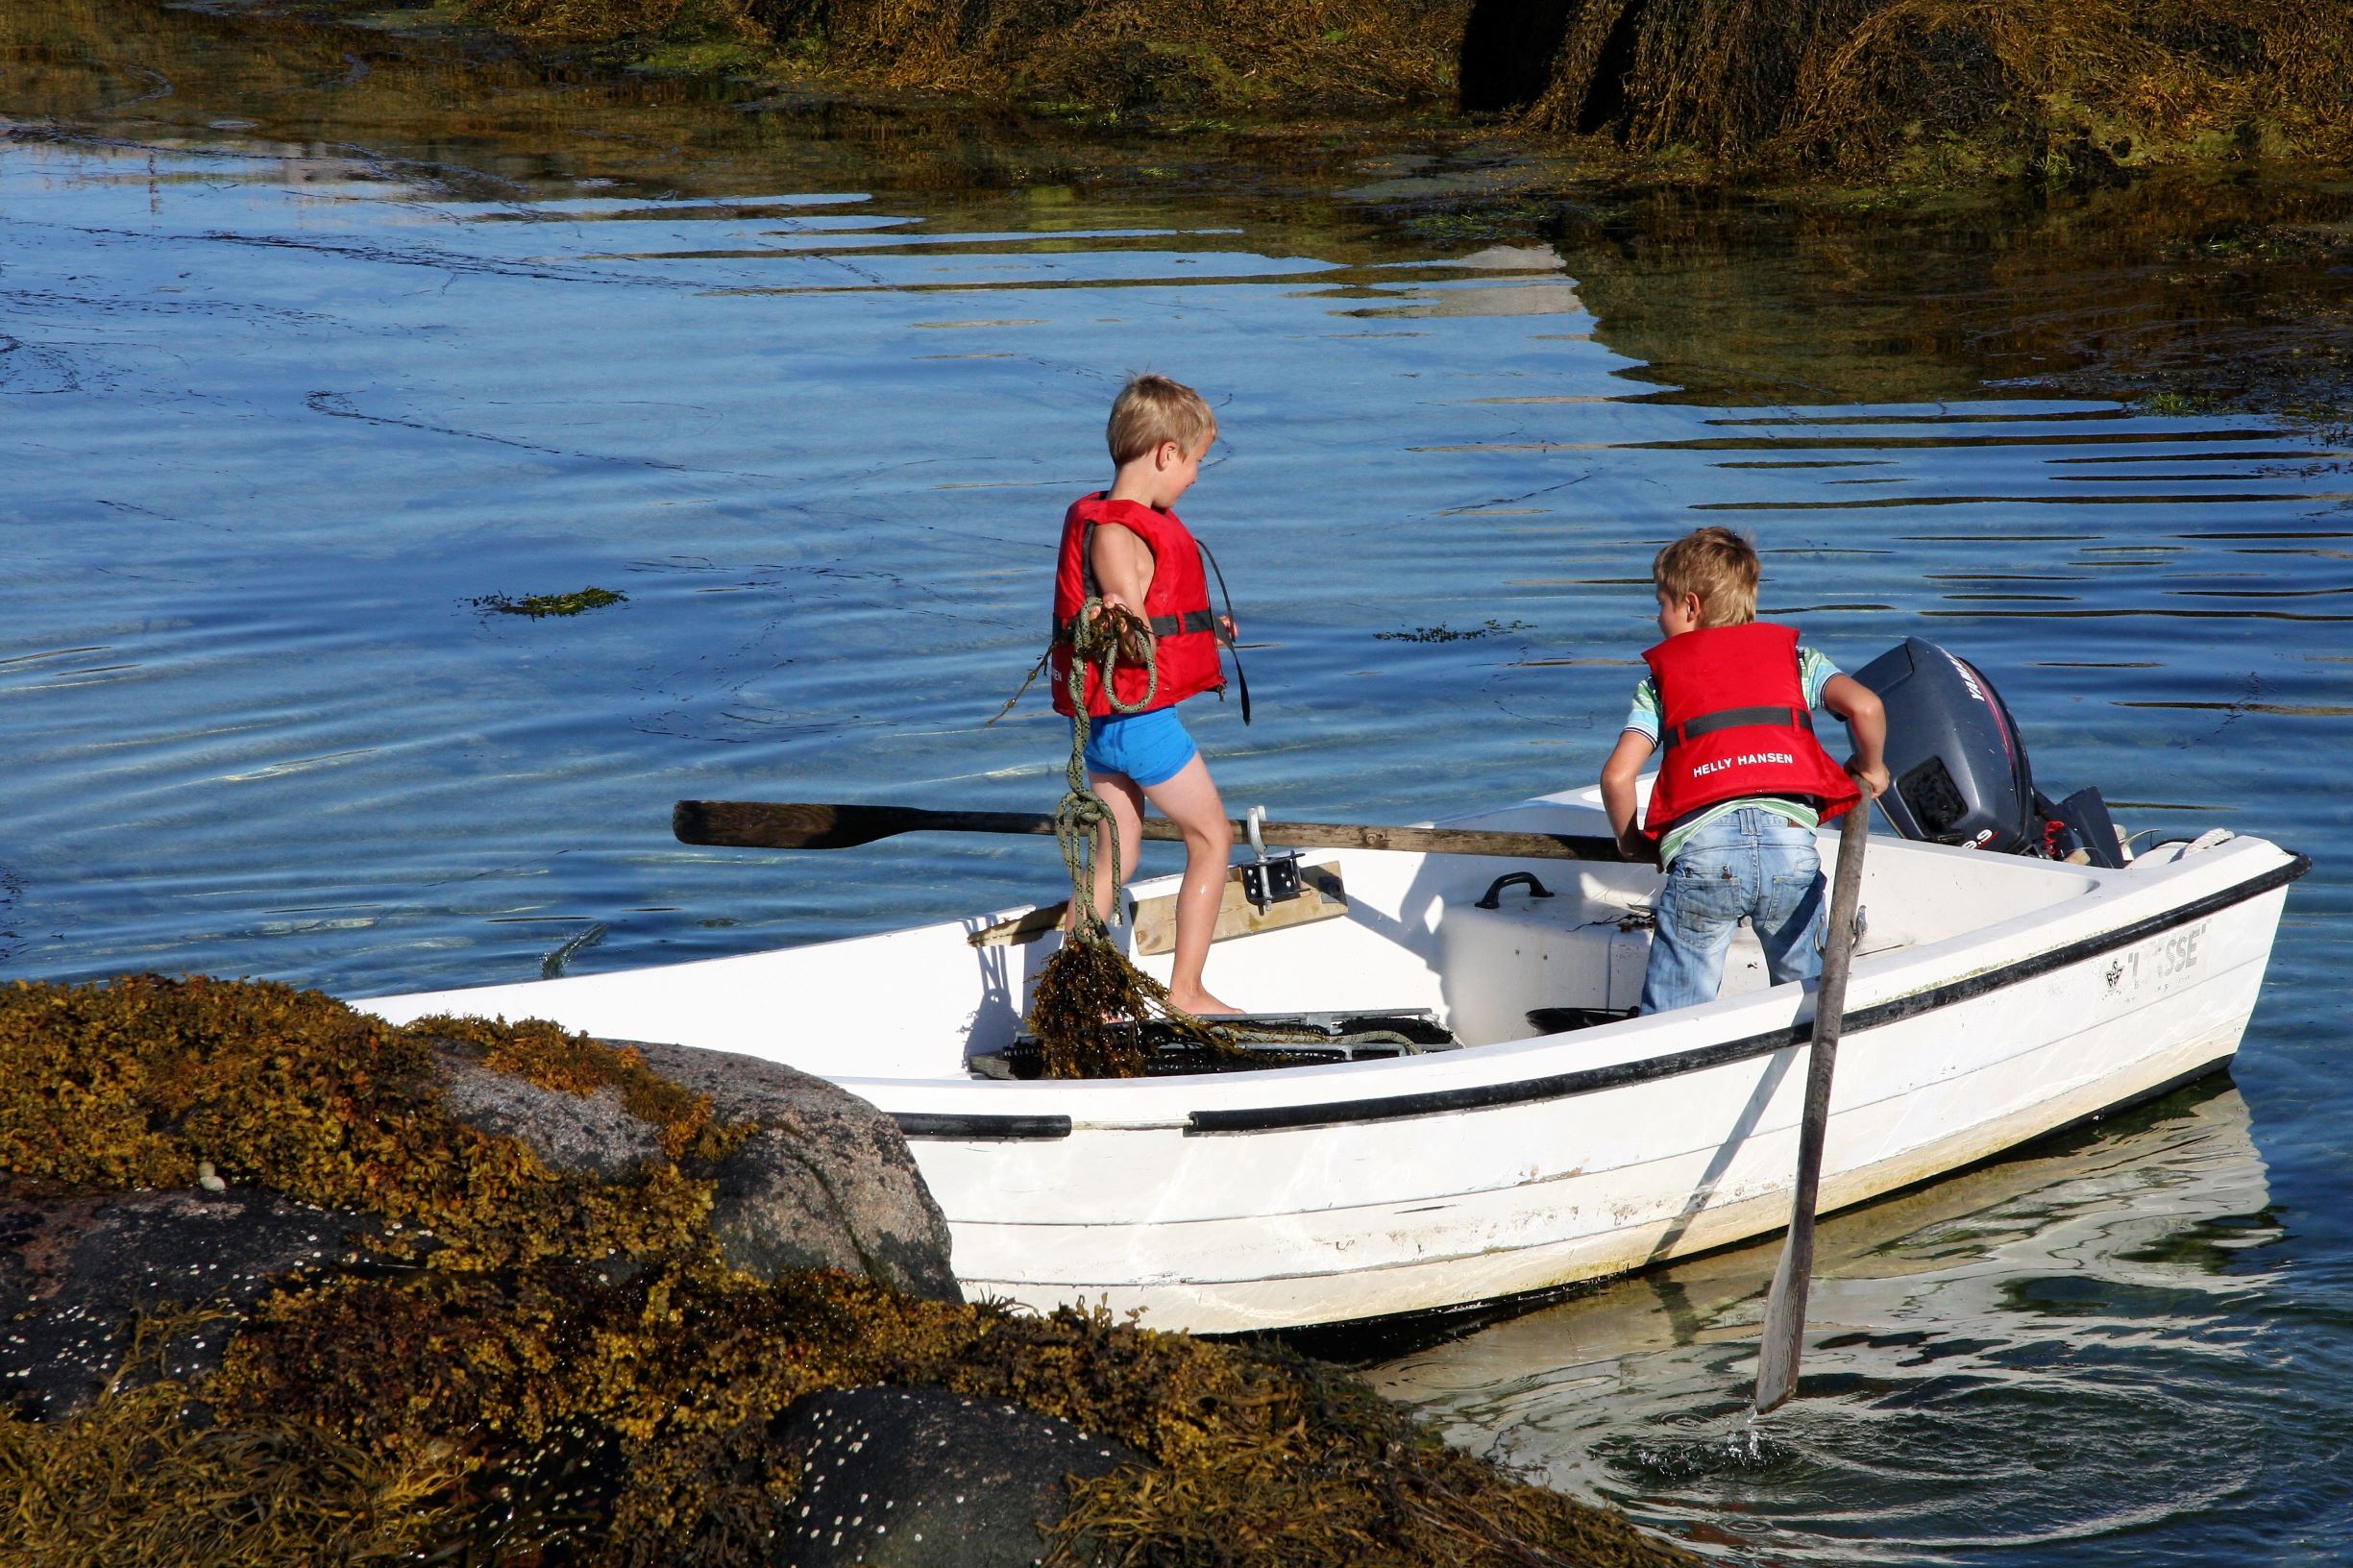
[(1956, 763), (1958, 769)]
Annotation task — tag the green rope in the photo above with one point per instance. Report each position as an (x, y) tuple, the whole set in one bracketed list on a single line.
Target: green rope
[(1090, 1002), (1090, 1005), (1099, 634)]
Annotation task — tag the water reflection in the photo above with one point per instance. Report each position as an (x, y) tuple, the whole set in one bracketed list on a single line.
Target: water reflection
[(1962, 1340)]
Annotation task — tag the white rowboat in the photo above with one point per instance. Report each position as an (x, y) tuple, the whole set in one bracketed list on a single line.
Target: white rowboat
[(1994, 999)]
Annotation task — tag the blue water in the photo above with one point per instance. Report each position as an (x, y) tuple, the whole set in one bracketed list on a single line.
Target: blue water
[(280, 402)]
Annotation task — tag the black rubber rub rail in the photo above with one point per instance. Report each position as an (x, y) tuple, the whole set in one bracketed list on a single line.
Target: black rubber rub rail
[(1562, 1086)]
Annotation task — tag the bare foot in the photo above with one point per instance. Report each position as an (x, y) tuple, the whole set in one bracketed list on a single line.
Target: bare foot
[(1202, 1005)]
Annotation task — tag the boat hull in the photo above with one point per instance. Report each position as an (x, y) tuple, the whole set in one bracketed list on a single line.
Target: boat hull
[(1472, 1205), (1995, 1001)]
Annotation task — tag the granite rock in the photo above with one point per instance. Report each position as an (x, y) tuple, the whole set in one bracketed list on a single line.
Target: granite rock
[(826, 1182), (582, 1135)]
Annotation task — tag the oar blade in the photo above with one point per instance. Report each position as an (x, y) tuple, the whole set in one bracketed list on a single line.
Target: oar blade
[(763, 824), (1784, 1335)]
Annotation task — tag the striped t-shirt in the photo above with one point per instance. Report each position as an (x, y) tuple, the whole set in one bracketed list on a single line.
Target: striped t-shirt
[(1814, 673)]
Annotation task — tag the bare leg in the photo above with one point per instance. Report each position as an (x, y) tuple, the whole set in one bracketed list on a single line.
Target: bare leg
[(1190, 801), (1126, 800)]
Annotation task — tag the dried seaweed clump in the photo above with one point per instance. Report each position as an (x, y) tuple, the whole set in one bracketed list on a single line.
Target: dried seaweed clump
[(558, 1382), (1303, 59), (643, 23), (2068, 90)]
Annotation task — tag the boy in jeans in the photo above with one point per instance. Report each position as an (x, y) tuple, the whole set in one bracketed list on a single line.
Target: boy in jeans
[(1743, 783), (1126, 546)]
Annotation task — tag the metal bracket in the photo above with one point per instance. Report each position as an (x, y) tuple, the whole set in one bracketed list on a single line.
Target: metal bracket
[(1267, 882)]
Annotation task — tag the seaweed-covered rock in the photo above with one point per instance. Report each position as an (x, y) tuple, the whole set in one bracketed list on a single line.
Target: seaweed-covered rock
[(805, 1174), (532, 1362), (592, 1133), (916, 1478), (80, 1276)]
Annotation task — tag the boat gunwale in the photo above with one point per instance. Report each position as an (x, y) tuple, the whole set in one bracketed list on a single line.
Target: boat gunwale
[(984, 1126)]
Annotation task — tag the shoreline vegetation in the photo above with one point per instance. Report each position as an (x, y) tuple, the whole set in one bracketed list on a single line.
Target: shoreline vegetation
[(523, 1359), (2063, 93)]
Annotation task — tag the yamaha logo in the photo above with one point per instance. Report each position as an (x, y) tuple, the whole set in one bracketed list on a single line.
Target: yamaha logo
[(1969, 676)]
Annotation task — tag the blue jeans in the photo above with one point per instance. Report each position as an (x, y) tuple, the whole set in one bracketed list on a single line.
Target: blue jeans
[(1751, 864)]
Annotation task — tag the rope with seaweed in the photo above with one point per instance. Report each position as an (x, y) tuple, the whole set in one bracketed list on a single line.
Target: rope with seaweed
[(1087, 1012), (1090, 1002)]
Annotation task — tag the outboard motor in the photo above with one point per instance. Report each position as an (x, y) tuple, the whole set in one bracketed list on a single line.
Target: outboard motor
[(1958, 765)]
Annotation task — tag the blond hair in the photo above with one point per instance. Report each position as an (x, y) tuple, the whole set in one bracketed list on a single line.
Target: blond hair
[(1718, 564), (1151, 410)]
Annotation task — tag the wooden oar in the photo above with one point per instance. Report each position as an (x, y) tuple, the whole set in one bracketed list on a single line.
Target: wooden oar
[(763, 824), (1784, 1338)]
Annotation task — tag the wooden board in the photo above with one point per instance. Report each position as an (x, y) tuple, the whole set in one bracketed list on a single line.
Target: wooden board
[(1320, 899)]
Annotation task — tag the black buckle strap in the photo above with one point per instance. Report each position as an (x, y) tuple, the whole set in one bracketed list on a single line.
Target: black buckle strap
[(1162, 626), (1172, 625), (1707, 723), (1240, 680)]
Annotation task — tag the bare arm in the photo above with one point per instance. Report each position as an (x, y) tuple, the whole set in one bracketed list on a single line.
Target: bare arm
[(1123, 564), (1618, 775), (1867, 723)]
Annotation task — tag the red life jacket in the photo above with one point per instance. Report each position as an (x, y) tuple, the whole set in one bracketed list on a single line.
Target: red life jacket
[(1177, 604), (1733, 723)]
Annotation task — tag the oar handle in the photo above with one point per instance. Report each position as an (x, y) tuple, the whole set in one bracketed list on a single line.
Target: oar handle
[(770, 825)]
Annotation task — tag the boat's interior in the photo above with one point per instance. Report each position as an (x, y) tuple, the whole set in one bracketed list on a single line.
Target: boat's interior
[(1466, 939), (1474, 943)]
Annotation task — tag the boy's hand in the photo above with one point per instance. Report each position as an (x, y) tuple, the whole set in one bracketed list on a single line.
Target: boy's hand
[(1133, 647), (1225, 624), (1873, 778), (1633, 846)]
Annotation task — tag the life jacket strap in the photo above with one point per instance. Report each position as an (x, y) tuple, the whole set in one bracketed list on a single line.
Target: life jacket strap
[(1165, 626), (1227, 643), (1691, 729)]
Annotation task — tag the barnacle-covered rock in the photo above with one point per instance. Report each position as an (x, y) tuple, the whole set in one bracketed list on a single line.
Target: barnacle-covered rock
[(438, 1316), (919, 1477), (80, 1275)]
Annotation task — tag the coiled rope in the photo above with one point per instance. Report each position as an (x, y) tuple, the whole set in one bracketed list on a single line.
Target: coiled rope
[(1087, 1012), (1090, 1005)]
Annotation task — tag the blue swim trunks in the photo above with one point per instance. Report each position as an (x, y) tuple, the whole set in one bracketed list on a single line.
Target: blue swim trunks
[(1149, 747)]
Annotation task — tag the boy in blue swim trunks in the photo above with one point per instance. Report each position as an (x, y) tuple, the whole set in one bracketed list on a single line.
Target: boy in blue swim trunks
[(1127, 548)]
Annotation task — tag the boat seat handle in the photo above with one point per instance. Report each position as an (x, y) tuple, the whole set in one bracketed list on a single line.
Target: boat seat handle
[(1495, 889)]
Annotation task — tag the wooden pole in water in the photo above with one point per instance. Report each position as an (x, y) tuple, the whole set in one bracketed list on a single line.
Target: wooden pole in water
[(1784, 1333)]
